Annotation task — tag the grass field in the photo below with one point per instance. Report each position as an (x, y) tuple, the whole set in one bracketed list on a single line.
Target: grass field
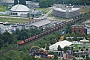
[(2, 8), (50, 15), (14, 20), (80, 45), (45, 10), (84, 10)]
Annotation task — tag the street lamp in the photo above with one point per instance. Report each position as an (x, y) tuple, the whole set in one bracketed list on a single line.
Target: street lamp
[(30, 20)]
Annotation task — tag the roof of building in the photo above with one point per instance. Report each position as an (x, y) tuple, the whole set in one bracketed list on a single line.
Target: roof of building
[(77, 26), (41, 23), (66, 9), (61, 43), (19, 7)]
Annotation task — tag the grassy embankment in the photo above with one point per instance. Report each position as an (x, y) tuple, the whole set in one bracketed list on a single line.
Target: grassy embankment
[(85, 10), (44, 10), (14, 20), (2, 8), (7, 47)]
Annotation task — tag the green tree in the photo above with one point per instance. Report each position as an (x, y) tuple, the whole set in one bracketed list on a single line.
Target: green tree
[(53, 41), (87, 57), (43, 4), (50, 2), (55, 56), (46, 3), (47, 47), (68, 35), (75, 38), (59, 1), (79, 48), (82, 50), (63, 59), (15, 2), (23, 35), (83, 35), (23, 2), (7, 37), (88, 35), (87, 49), (78, 34), (72, 34), (83, 56), (59, 48), (65, 49), (17, 32), (19, 58), (2, 58), (74, 59), (17, 55), (1, 43)]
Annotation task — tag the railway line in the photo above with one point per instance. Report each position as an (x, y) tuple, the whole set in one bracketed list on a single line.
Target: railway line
[(33, 38)]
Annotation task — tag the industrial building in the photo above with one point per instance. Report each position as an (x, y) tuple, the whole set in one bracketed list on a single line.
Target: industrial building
[(24, 11), (40, 23), (87, 25), (18, 10), (66, 12), (79, 28)]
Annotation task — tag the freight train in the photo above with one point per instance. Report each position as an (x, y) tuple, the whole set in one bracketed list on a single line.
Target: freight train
[(59, 26)]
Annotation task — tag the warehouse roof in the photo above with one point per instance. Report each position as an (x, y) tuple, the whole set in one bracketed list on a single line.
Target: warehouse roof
[(41, 23)]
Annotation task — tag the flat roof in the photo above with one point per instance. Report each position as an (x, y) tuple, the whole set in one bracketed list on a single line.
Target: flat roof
[(40, 23), (61, 43)]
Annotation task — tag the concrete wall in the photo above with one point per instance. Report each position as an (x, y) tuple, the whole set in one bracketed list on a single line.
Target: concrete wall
[(66, 14)]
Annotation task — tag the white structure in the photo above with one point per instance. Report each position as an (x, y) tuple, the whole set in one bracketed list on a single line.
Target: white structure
[(61, 43), (67, 12), (19, 10), (84, 41)]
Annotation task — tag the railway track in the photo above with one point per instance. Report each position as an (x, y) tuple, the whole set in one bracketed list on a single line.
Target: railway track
[(15, 47)]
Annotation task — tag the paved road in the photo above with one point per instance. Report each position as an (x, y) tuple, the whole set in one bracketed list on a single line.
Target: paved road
[(45, 15)]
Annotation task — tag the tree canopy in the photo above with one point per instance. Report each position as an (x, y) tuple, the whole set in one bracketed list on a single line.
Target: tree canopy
[(48, 3)]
